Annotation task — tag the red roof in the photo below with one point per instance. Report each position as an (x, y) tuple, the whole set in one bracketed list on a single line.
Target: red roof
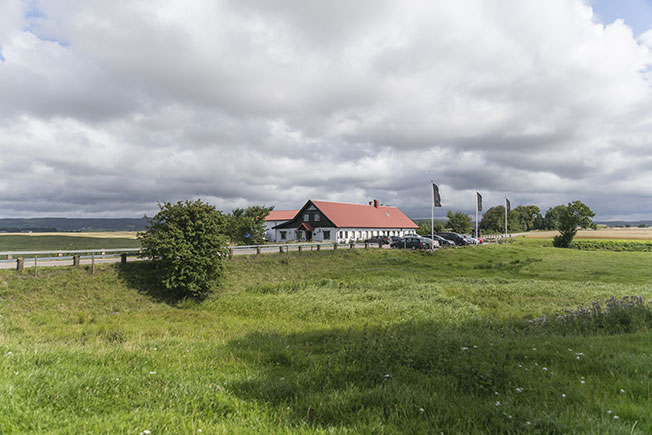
[(364, 216), (281, 215)]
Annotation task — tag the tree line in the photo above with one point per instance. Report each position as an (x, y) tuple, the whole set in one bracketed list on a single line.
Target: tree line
[(564, 218)]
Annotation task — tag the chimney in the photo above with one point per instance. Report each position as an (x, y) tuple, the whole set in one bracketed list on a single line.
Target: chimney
[(376, 203)]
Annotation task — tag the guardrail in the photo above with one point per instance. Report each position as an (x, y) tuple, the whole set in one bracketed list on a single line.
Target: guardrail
[(28, 259)]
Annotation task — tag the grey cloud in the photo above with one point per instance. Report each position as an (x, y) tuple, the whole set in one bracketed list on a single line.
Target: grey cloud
[(277, 102)]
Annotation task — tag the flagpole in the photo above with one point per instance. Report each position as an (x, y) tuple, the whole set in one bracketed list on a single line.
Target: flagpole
[(506, 217), (432, 219), (476, 213)]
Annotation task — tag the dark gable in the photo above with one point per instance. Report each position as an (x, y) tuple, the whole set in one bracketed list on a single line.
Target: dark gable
[(316, 218)]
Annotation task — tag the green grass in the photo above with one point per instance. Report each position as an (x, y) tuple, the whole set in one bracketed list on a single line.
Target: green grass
[(345, 342)]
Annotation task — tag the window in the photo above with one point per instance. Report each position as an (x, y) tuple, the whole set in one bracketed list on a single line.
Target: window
[(283, 236), (340, 234), (316, 217), (306, 217), (327, 235), (346, 234)]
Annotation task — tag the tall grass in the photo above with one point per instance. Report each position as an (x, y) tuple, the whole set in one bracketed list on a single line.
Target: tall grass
[(344, 342)]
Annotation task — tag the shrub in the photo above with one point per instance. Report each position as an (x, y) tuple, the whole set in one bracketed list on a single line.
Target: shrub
[(187, 245), (626, 315), (613, 245)]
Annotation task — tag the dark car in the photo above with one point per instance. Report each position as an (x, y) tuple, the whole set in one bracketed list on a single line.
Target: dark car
[(443, 243), (385, 240), (458, 239), (412, 242)]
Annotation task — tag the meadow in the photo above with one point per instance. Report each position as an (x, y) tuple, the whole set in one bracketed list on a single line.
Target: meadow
[(376, 341)]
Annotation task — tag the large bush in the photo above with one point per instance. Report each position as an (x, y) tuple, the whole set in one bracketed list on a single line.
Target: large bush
[(187, 245)]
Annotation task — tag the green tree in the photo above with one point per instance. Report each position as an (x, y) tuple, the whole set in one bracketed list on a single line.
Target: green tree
[(424, 228), (528, 216), (187, 246), (551, 220), (247, 226), (575, 214), (493, 220), (459, 222)]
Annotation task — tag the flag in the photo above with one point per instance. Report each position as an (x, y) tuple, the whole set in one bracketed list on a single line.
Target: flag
[(479, 201), (508, 206), (436, 199)]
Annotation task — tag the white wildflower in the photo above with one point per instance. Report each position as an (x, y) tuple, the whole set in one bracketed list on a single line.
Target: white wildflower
[(152, 373), (563, 395), (464, 348), (582, 382), (622, 391), (519, 390), (497, 403), (282, 379), (422, 410), (545, 368), (616, 417), (609, 412), (528, 423)]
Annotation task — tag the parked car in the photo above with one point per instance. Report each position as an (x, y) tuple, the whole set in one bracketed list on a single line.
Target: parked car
[(412, 242), (456, 238), (385, 240), (443, 243), (470, 240), (393, 239)]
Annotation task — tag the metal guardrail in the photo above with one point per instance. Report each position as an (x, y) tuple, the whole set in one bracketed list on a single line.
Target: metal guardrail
[(57, 256)]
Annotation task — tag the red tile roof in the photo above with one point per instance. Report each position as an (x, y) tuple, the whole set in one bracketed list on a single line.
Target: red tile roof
[(281, 215), (364, 216)]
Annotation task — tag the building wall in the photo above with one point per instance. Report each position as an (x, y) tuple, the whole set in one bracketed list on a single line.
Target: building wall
[(270, 233), (345, 235), (337, 235)]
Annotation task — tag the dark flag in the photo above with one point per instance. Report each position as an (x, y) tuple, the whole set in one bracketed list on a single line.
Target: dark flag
[(479, 201), (436, 199), (508, 206)]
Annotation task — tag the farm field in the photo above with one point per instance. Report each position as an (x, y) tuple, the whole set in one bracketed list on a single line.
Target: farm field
[(334, 342), (67, 241), (600, 233)]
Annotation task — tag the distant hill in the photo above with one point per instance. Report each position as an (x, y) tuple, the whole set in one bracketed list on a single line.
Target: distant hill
[(43, 225), (625, 223)]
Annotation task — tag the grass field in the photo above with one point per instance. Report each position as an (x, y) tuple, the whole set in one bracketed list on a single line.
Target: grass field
[(376, 341)]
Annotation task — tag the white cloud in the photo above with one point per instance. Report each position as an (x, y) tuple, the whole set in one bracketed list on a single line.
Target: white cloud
[(108, 110)]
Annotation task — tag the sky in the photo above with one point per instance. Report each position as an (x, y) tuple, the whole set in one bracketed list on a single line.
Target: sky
[(108, 108)]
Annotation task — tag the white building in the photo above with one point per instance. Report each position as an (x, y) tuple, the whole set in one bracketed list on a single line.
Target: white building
[(341, 222), (276, 218)]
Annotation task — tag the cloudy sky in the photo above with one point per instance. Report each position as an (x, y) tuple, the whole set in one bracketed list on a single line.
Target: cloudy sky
[(107, 108)]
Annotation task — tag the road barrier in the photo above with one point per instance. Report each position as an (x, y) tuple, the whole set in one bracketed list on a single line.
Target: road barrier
[(92, 256)]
